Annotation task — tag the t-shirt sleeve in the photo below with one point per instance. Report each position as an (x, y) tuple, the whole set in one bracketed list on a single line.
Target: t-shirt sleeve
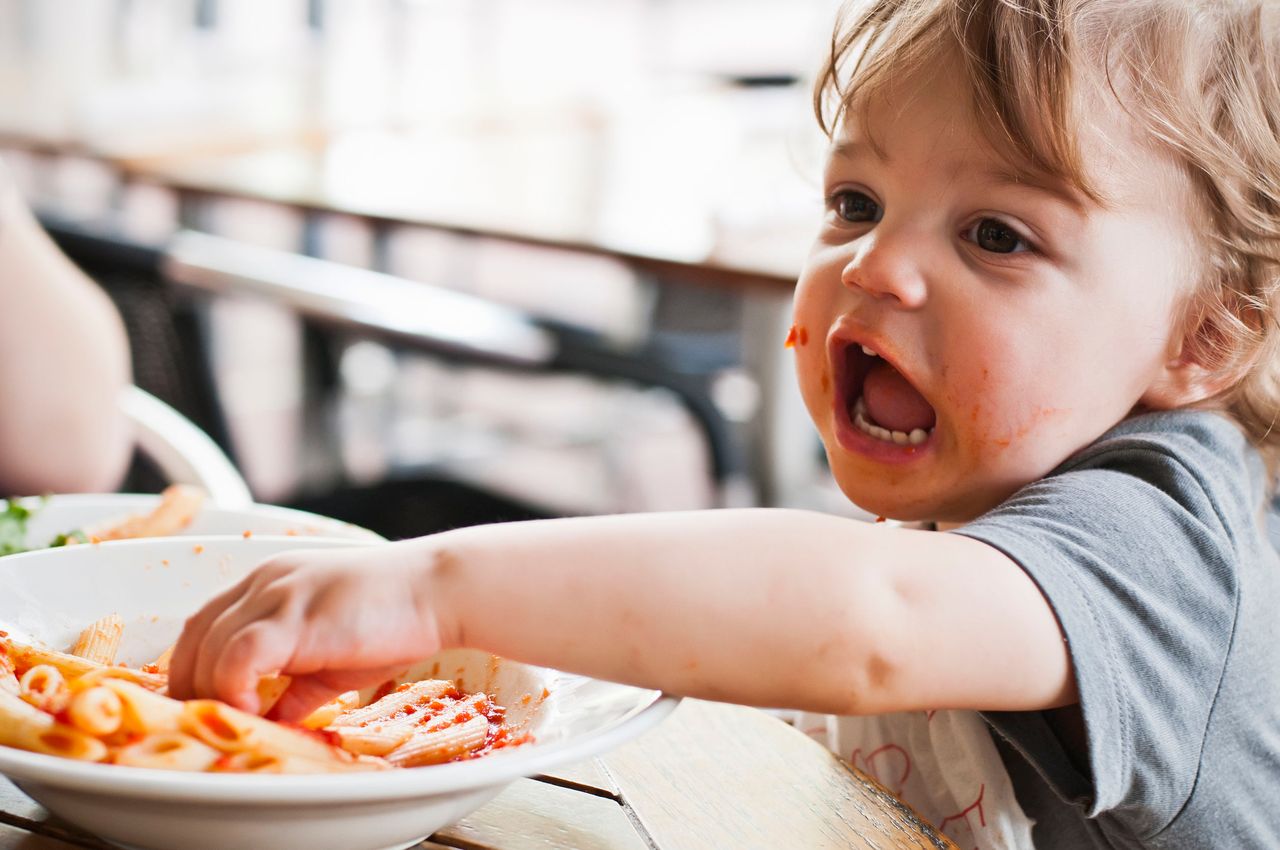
[(1133, 550)]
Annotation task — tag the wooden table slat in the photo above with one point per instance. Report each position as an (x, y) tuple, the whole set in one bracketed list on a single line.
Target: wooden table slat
[(13, 838), (759, 784), (531, 815), (14, 802), (588, 776), (21, 814)]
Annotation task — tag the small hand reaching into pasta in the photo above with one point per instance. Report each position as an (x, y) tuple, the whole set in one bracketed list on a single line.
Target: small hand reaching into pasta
[(703, 604), (331, 620), (91, 709)]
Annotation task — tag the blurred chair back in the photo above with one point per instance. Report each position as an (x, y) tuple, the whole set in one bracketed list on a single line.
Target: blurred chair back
[(181, 452)]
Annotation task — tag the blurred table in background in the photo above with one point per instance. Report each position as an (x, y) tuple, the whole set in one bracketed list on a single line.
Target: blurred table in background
[(712, 776), (718, 185)]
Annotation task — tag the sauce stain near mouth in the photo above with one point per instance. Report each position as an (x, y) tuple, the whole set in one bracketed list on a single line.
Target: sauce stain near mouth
[(1037, 418), (796, 334)]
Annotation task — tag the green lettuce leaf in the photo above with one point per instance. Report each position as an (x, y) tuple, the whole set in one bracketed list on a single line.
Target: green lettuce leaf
[(13, 528)]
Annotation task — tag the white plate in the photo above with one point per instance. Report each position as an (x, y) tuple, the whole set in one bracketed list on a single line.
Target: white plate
[(56, 515), (154, 584)]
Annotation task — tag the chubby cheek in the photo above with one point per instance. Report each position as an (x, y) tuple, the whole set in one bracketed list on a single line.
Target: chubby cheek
[(1006, 424), (806, 338), (813, 373)]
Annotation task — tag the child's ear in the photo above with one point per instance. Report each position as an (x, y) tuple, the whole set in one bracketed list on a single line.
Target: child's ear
[(1194, 371)]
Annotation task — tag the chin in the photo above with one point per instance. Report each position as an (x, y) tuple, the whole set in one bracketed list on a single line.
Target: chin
[(887, 500), (902, 502), (932, 492)]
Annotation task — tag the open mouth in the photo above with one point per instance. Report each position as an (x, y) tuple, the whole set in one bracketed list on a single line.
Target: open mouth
[(882, 403)]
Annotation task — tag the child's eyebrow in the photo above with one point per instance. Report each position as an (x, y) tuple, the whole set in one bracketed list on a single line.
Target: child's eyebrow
[(854, 148), (1048, 184), (1002, 175)]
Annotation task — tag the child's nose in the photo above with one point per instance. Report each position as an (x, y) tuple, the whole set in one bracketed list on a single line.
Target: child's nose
[(885, 266)]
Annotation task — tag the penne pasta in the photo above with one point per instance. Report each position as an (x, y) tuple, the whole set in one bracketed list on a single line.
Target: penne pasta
[(8, 672), (441, 745), (232, 731), (66, 742), (161, 664), (28, 728), (14, 707), (372, 740), (327, 713), (403, 699), (100, 641), (44, 687), (143, 711), (97, 711), (168, 751), (80, 672), (253, 761), (79, 705), (25, 656), (270, 689), (150, 681), (179, 503)]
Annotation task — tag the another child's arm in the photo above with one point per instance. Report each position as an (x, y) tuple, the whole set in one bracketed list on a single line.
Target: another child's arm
[(64, 359), (768, 607)]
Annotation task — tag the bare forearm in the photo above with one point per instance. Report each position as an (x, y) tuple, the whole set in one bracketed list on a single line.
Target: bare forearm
[(63, 361), (767, 607)]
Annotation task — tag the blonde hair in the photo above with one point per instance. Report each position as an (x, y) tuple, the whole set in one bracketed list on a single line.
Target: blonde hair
[(1201, 79)]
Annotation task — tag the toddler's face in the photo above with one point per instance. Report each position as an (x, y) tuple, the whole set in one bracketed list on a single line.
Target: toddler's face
[(996, 324)]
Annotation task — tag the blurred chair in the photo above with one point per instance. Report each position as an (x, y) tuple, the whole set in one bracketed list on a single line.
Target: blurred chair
[(181, 452), (158, 290)]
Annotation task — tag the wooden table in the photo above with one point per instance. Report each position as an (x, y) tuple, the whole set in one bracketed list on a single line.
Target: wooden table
[(711, 777)]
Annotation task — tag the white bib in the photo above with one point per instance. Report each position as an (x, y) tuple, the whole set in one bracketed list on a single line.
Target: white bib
[(941, 763)]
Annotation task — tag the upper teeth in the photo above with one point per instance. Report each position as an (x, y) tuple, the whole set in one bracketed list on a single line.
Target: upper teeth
[(868, 351), (901, 438)]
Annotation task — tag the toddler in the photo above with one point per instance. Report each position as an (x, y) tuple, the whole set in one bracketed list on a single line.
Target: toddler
[(1039, 314)]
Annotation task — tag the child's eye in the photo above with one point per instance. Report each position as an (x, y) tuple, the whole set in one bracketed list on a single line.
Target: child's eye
[(854, 206), (992, 234)]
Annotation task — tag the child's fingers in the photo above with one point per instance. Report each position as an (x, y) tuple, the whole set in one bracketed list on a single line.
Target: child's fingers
[(216, 621), (258, 649), (309, 691), (304, 695), (249, 626), (182, 661)]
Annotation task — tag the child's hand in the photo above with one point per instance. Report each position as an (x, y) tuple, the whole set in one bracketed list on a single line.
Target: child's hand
[(333, 620)]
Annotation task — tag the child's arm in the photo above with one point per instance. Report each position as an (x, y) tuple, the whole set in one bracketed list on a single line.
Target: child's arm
[(768, 607), (64, 359)]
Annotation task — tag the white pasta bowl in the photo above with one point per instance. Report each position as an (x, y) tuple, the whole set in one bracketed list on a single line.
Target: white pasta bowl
[(154, 584), (62, 514)]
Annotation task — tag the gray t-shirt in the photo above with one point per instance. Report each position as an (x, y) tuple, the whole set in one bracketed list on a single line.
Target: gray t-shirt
[(1151, 547)]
